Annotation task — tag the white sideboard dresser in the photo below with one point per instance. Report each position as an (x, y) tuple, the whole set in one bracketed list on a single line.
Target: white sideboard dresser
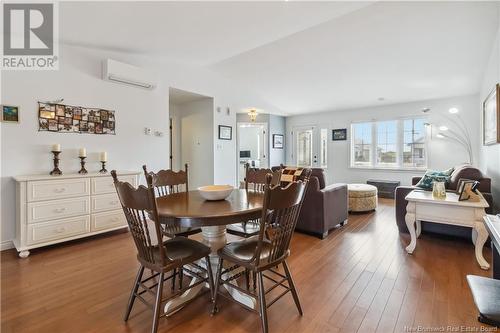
[(54, 209)]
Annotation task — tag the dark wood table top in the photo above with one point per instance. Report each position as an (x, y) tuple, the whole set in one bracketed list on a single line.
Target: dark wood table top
[(189, 209)]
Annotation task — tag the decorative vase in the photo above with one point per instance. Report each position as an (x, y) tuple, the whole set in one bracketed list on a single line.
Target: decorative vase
[(439, 190)]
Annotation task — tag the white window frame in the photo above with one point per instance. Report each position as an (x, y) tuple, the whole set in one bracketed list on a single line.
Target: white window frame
[(399, 144)]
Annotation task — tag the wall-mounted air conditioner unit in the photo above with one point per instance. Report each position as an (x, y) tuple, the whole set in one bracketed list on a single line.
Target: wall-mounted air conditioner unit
[(120, 72)]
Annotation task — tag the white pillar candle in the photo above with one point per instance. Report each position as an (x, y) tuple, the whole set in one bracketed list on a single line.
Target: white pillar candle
[(56, 147), (104, 156), (82, 152)]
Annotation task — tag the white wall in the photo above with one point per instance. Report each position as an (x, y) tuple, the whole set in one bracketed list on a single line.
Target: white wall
[(490, 155), (26, 151), (442, 153), (277, 125), (248, 140), (194, 140)]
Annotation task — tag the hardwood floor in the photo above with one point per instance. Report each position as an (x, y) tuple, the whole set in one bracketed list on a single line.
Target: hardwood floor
[(358, 279)]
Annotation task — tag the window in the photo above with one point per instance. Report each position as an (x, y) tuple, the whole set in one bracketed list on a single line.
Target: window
[(391, 144), (324, 148), (414, 144), (387, 132), (361, 144)]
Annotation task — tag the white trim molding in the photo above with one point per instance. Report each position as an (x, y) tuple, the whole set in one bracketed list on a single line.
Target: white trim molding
[(6, 245)]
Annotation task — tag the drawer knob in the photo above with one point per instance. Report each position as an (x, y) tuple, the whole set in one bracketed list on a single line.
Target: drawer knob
[(60, 230), (59, 190), (59, 210)]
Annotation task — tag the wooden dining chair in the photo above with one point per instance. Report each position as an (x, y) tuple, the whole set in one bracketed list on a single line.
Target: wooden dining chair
[(161, 257), (255, 180), (263, 253), (167, 182)]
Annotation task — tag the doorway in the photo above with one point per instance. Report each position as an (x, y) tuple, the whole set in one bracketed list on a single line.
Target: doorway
[(252, 146), (191, 133)]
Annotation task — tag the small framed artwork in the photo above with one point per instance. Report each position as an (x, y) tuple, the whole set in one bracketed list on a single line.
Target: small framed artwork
[(491, 117), (225, 132), (339, 134), (464, 188), (10, 114), (278, 141)]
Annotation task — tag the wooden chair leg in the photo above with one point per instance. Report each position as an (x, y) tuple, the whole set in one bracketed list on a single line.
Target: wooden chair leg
[(262, 303), (181, 277), (292, 287), (132, 294), (254, 277), (157, 306), (216, 287), (247, 279), (210, 278), (174, 276)]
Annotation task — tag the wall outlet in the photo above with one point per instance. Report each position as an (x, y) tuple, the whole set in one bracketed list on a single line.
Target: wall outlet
[(158, 134), (147, 130)]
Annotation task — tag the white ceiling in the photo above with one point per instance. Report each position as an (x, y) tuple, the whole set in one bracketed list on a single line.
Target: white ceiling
[(305, 56), (198, 33)]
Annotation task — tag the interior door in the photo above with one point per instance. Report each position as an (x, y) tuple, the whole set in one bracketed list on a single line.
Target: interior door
[(306, 146)]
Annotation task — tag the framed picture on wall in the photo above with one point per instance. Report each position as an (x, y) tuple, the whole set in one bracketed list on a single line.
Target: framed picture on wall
[(339, 134), (491, 117), (278, 141), (225, 132), (10, 114)]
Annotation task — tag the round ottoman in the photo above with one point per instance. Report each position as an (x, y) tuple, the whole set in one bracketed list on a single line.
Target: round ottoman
[(362, 197)]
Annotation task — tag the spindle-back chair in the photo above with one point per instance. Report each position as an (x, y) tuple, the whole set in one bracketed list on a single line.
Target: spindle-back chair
[(161, 257), (263, 253)]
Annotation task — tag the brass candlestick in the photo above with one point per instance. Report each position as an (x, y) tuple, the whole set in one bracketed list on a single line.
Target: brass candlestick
[(56, 171), (82, 163), (103, 170)]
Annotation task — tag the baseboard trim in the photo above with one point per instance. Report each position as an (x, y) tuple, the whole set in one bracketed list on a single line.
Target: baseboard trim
[(6, 245)]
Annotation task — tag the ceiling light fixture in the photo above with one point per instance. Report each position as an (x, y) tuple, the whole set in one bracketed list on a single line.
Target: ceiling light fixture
[(440, 136), (253, 114), (443, 128), (453, 110)]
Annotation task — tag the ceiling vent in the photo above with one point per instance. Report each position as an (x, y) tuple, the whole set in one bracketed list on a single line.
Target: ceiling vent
[(120, 72)]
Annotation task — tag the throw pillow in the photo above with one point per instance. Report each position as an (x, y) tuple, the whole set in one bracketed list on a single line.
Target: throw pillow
[(432, 176)]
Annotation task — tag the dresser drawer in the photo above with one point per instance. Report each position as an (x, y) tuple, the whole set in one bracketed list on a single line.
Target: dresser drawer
[(56, 209), (102, 185), (104, 202), (50, 231), (56, 189), (107, 220)]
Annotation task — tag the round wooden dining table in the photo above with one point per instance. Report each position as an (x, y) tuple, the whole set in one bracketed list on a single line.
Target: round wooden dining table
[(190, 209)]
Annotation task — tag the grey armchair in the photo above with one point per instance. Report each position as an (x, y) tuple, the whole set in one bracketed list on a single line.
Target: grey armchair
[(324, 207)]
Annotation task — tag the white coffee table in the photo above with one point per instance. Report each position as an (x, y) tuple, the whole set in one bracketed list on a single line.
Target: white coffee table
[(422, 206)]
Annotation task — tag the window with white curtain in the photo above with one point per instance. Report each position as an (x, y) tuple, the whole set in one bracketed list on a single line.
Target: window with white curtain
[(389, 144)]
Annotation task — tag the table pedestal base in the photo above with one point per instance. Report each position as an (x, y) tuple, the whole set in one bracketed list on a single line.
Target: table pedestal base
[(215, 238)]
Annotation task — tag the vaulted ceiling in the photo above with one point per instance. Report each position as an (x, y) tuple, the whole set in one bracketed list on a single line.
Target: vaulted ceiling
[(305, 56)]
